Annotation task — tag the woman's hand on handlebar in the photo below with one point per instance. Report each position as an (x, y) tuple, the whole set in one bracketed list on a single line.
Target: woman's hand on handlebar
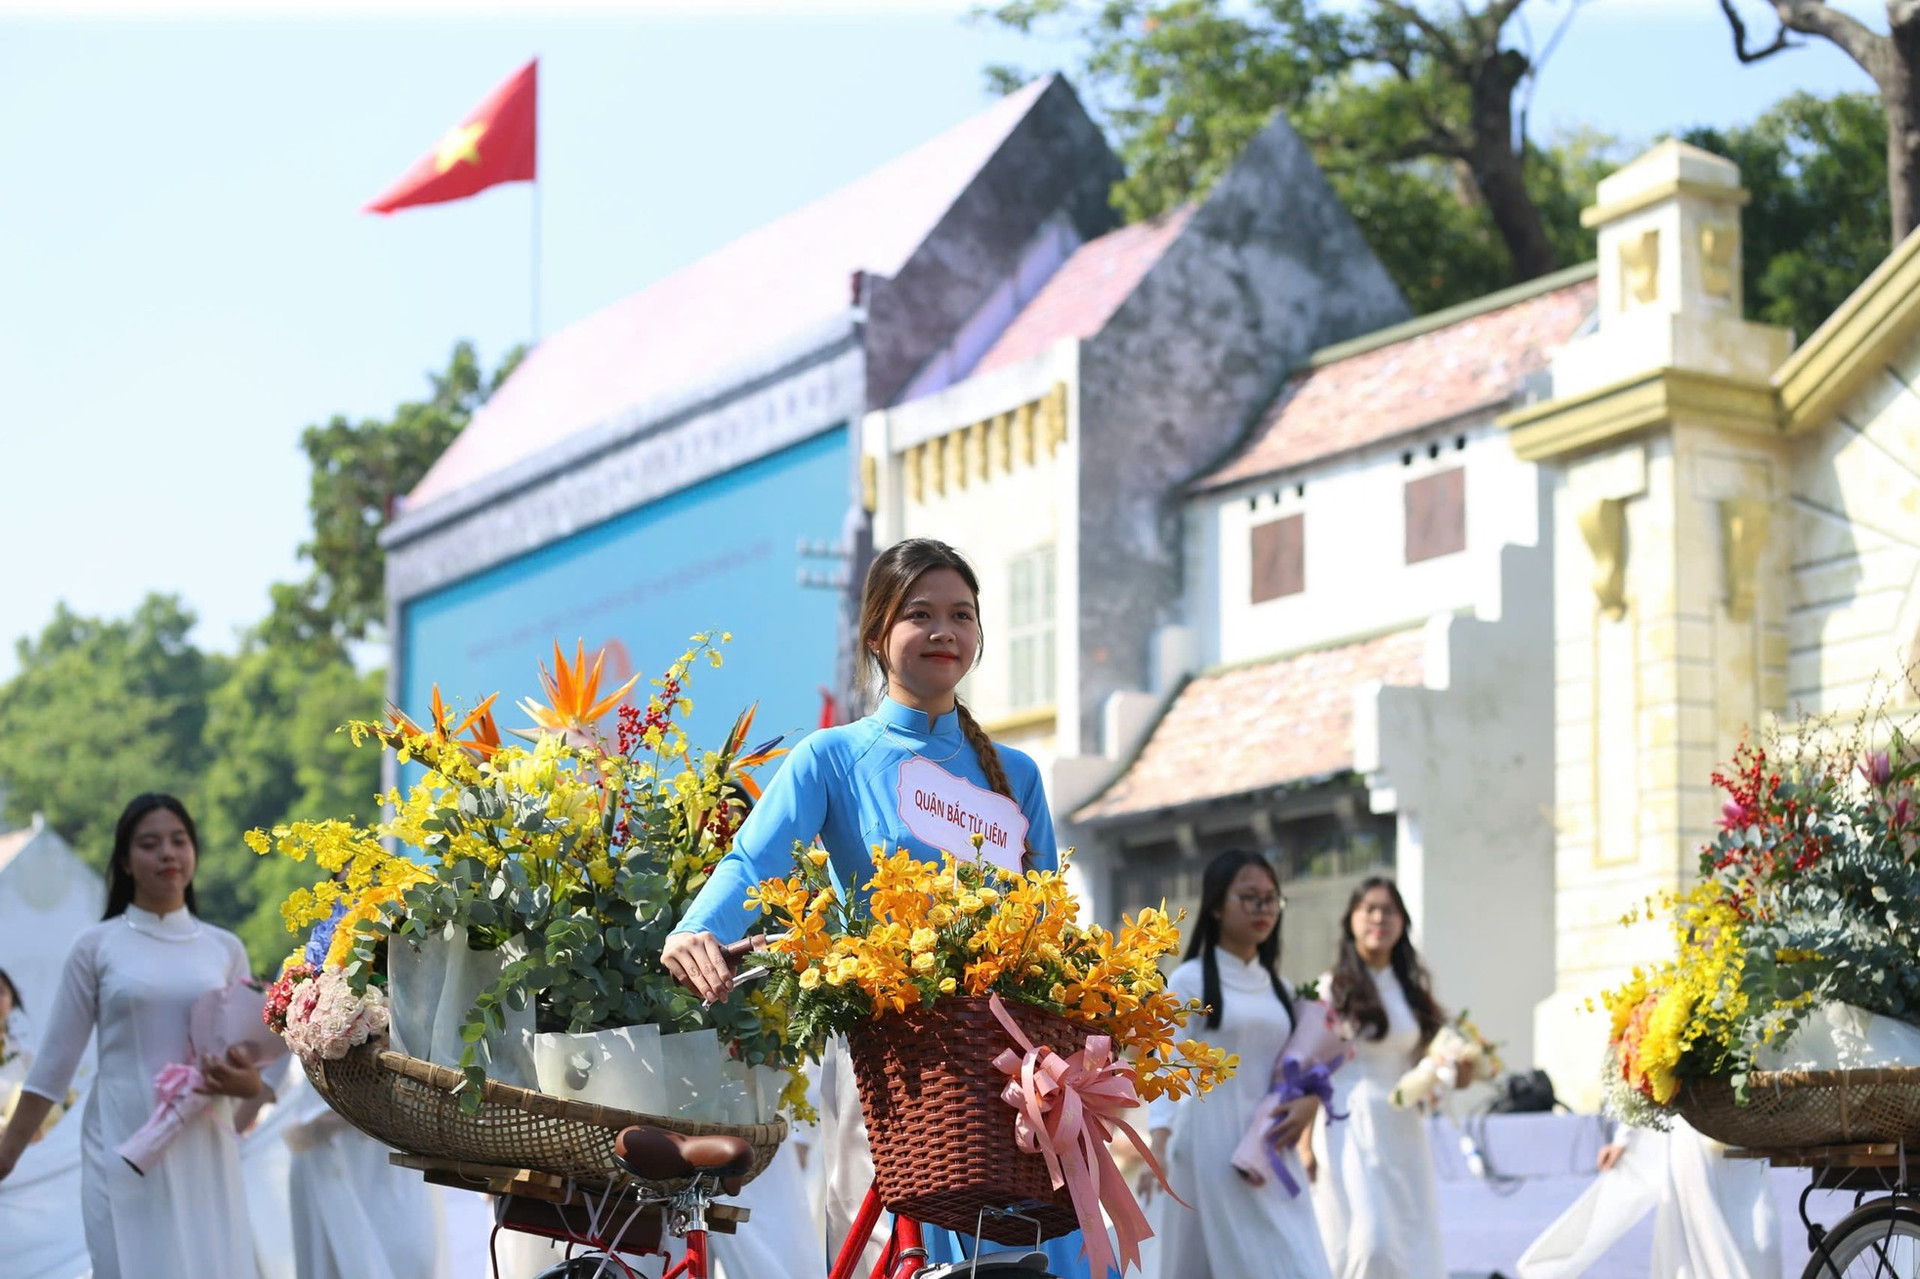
[(700, 963)]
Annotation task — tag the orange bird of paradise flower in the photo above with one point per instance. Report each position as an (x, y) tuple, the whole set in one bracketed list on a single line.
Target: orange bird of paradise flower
[(486, 735), (760, 754), (571, 691)]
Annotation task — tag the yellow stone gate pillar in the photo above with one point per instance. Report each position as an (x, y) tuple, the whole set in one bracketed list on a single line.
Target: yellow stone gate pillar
[(1662, 445)]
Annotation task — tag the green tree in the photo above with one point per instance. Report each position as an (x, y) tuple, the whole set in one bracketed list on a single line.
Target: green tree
[(279, 756), (101, 710), (294, 682), (1890, 58), (357, 470), (1818, 221), (1415, 111)]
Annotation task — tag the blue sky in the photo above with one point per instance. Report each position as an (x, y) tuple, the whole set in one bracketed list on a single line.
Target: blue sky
[(185, 281)]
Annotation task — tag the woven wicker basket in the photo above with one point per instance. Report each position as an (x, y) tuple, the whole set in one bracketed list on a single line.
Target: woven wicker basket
[(411, 1105), (942, 1138), (1790, 1109)]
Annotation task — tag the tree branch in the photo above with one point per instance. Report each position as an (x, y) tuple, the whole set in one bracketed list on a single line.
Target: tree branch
[(1812, 17), (1740, 49), (1443, 46), (1498, 13), (1536, 65), (1440, 142)]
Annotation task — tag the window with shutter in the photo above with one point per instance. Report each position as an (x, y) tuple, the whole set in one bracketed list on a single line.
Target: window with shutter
[(1436, 515), (1279, 558), (1030, 630)]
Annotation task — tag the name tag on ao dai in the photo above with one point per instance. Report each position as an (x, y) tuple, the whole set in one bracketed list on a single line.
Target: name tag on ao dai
[(946, 812)]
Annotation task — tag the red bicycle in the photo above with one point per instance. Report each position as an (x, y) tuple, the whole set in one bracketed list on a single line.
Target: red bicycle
[(633, 1220)]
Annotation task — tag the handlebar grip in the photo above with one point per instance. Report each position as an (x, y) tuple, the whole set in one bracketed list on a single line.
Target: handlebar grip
[(741, 949)]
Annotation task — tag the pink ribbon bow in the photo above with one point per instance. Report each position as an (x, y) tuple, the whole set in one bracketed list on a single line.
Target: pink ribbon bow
[(1067, 1110)]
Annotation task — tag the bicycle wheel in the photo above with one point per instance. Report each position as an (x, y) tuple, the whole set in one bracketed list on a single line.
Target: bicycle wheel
[(1881, 1240)]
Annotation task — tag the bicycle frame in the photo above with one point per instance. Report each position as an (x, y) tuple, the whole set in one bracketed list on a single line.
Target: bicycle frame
[(904, 1257)]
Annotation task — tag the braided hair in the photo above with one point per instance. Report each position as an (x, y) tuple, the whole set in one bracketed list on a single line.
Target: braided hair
[(889, 586), (1215, 883)]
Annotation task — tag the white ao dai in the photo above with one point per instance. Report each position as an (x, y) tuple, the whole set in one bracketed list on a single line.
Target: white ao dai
[(133, 980), (1234, 1229)]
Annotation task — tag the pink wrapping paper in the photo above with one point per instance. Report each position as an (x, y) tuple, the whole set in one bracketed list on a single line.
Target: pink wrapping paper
[(220, 1020), (1313, 1051)]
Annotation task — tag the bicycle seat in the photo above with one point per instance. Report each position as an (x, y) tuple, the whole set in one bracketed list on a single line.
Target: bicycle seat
[(657, 1154), (1005, 1265)]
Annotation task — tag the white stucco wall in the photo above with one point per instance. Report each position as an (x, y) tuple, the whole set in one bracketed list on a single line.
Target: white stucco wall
[(1467, 765), (992, 519), (1854, 625), (1357, 577), (1466, 762)]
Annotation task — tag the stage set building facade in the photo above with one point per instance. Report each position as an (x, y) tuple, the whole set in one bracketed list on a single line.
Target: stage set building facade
[(1478, 599)]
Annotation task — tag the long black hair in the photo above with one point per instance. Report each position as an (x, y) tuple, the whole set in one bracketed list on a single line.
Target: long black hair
[(119, 878), (1215, 882), (14, 992), (1354, 996)]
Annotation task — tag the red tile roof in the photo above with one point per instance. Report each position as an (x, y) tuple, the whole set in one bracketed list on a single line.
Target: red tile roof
[(1247, 728), (1087, 289), (1441, 373), (754, 298)]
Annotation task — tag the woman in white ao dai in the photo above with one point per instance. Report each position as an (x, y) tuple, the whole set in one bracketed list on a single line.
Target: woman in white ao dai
[(1373, 1185), (1233, 1229), (133, 979)]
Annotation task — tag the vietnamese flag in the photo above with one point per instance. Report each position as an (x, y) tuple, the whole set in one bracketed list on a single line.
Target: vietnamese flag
[(494, 144)]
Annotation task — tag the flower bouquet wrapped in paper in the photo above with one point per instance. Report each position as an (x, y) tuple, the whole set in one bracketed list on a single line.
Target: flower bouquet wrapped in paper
[(1304, 1068), (223, 1023), (516, 891), (1458, 1055)]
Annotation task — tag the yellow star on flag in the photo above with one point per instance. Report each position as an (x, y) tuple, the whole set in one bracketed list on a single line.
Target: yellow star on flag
[(461, 143)]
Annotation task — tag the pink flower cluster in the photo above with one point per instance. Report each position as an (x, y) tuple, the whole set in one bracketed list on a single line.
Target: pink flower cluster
[(325, 1017), (280, 995)]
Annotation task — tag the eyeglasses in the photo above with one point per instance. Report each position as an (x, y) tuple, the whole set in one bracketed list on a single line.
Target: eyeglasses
[(1260, 903)]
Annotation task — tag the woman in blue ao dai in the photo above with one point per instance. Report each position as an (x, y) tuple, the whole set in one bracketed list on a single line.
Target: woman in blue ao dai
[(1233, 1228), (920, 626)]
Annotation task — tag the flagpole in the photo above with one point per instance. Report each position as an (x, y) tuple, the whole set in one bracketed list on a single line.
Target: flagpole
[(534, 289)]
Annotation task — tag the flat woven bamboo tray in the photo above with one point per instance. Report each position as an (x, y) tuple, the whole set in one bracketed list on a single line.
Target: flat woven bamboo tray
[(1793, 1109), (411, 1105)]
